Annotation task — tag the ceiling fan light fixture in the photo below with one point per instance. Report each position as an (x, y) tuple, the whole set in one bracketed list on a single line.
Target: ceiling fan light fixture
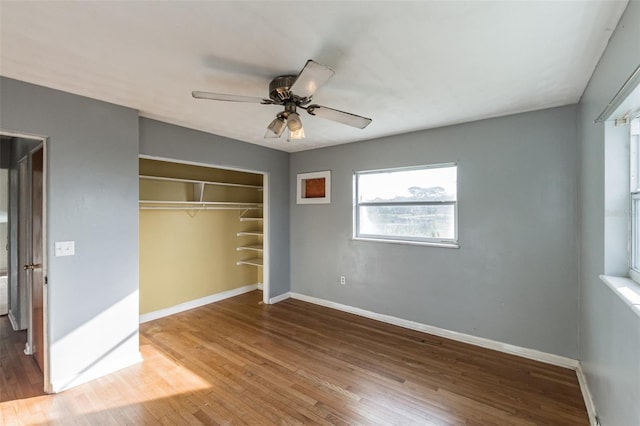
[(293, 122), (276, 127), (296, 134)]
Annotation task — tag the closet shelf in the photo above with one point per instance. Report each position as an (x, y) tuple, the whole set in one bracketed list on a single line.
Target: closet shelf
[(247, 233), (203, 182), (254, 243), (255, 262), (256, 247)]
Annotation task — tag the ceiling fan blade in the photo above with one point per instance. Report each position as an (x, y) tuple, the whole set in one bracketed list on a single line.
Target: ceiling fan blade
[(230, 98), (339, 116), (312, 76)]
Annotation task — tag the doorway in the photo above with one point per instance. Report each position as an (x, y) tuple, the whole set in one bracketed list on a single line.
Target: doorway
[(23, 161)]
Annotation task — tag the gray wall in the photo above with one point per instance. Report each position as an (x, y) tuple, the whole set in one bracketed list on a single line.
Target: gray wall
[(514, 278), (92, 190), (610, 331), (164, 140)]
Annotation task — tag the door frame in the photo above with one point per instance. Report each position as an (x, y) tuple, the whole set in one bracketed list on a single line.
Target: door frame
[(24, 253), (43, 143), (266, 288)]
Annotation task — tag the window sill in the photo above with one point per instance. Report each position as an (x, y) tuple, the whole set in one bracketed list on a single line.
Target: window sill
[(411, 243), (627, 289)]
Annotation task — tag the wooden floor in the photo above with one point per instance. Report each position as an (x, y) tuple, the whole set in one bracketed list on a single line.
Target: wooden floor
[(20, 376), (241, 362)]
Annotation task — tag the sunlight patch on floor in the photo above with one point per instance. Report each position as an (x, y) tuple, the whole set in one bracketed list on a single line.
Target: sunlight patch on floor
[(158, 378)]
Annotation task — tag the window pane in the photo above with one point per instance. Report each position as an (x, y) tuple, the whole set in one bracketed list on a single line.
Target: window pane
[(412, 222), (431, 184)]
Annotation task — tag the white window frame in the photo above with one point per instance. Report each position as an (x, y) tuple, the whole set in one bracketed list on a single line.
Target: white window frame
[(634, 190), (437, 242)]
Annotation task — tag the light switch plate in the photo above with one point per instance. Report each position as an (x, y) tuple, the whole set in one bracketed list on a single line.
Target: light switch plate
[(65, 248)]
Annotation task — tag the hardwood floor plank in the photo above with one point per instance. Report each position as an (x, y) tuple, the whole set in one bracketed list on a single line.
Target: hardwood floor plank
[(241, 362)]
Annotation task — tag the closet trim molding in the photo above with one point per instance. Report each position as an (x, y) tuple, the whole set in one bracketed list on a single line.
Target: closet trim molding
[(266, 288)]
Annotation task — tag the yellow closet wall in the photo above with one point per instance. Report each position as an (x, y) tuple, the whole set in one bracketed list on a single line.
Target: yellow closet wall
[(190, 254)]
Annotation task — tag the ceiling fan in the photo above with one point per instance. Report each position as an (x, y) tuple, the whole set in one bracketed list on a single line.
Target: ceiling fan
[(293, 92)]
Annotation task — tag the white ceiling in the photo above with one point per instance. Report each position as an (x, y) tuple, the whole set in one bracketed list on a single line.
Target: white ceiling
[(407, 65)]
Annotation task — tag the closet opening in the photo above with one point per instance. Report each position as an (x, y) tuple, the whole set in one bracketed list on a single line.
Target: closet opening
[(203, 235)]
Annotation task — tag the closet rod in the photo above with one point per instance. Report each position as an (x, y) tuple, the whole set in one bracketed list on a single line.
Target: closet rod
[(201, 203), (198, 208)]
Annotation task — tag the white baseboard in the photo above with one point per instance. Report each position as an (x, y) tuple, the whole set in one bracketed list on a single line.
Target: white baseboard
[(280, 298), (12, 320), (196, 303), (453, 335), (260, 286), (588, 399)]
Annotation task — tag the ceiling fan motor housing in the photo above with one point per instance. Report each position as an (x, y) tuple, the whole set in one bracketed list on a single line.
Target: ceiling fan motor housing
[(280, 93)]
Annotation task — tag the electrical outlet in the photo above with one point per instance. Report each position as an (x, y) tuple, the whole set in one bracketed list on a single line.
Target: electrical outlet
[(343, 280)]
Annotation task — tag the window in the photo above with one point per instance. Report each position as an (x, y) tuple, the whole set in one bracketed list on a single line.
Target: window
[(413, 205), (635, 200)]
